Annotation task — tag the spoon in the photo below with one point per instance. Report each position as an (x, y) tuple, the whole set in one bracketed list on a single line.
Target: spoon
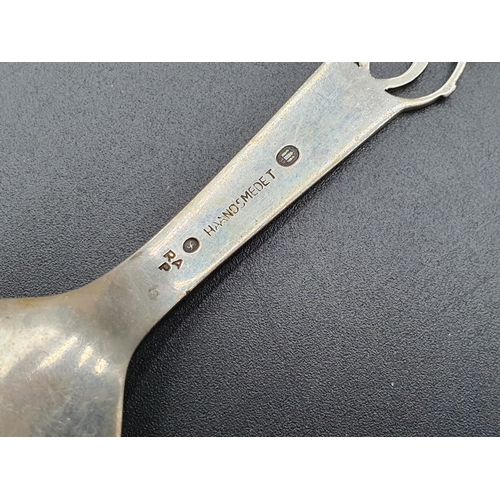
[(63, 358)]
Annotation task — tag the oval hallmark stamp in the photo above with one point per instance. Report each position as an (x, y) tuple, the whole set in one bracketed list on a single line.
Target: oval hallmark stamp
[(287, 156)]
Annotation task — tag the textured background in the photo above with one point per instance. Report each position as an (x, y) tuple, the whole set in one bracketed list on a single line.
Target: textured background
[(370, 307)]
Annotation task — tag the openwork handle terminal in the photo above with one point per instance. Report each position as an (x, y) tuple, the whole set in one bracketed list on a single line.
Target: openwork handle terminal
[(413, 72), (63, 359)]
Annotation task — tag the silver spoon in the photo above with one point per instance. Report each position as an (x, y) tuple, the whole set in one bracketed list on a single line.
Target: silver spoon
[(63, 358)]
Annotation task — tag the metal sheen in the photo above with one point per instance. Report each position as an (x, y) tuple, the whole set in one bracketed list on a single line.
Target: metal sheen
[(63, 358)]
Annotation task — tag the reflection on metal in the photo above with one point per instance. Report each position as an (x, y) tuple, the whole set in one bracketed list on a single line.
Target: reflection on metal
[(11, 357), (63, 359), (85, 356), (57, 354), (100, 366)]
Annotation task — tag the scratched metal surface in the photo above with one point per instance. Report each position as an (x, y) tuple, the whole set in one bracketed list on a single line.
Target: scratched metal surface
[(371, 307)]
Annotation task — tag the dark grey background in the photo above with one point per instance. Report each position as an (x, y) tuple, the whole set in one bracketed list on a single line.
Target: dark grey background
[(370, 307)]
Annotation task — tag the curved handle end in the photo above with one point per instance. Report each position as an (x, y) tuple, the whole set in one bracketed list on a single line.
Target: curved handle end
[(444, 91)]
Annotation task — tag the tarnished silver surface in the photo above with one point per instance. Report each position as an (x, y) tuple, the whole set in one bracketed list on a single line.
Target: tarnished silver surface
[(63, 358)]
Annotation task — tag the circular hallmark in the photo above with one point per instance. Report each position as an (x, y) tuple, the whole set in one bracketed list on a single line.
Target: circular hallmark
[(191, 245), (287, 156)]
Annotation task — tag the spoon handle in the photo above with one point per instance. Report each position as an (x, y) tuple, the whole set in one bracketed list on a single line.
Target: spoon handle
[(335, 110)]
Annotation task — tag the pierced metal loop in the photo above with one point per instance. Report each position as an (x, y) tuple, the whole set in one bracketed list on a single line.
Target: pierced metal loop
[(411, 74)]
